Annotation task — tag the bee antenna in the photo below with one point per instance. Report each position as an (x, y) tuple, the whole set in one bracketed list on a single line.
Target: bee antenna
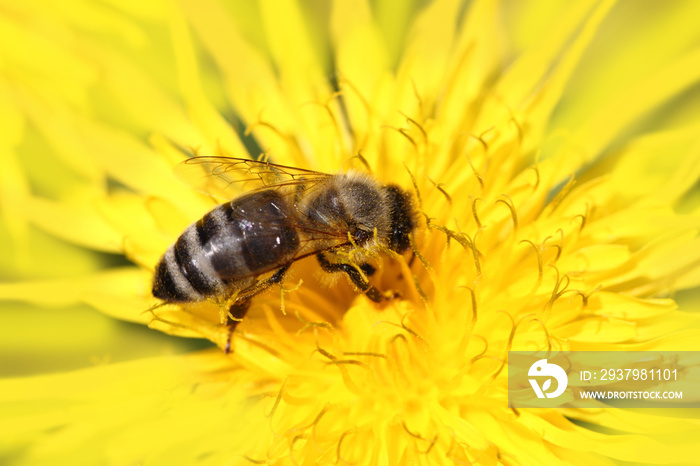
[(153, 308), (363, 160)]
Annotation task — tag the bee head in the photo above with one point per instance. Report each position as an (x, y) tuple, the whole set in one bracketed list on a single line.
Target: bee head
[(403, 218), (361, 237)]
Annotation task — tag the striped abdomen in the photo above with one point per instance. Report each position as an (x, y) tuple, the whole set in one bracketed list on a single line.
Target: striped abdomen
[(238, 240)]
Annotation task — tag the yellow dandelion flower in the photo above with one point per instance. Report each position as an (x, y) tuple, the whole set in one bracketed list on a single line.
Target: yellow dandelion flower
[(552, 152)]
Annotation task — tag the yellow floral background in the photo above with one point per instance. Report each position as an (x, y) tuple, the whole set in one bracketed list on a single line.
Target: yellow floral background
[(553, 150)]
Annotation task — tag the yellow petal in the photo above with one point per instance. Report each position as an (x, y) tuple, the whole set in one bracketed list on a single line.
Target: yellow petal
[(641, 171), (362, 61), (70, 77), (40, 255), (210, 121), (519, 83), (607, 330), (426, 56), (122, 293), (14, 186), (254, 90), (77, 223), (628, 308), (623, 447), (83, 406), (631, 103), (641, 48)]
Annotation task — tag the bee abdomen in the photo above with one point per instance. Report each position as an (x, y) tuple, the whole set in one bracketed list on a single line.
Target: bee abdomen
[(170, 283), (194, 265), (235, 241), (184, 273)]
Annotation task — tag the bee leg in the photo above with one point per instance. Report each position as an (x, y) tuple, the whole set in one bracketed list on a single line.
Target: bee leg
[(368, 269), (361, 282), (410, 261), (240, 307), (262, 285), (236, 312)]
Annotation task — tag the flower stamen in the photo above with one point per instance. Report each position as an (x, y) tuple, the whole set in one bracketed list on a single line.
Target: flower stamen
[(365, 104), (404, 132), (481, 139), (556, 294), (363, 353), (457, 452), (476, 217), (326, 106), (476, 173), (540, 268), (283, 291), (511, 207), (421, 293), (559, 246), (362, 160), (536, 169), (340, 442), (417, 125), (584, 295), (433, 441), (278, 399), (584, 218), (483, 352), (473, 295), (516, 123), (563, 192), (439, 187), (475, 253), (422, 259)]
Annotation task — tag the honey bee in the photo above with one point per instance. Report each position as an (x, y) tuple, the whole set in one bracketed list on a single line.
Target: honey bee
[(290, 213)]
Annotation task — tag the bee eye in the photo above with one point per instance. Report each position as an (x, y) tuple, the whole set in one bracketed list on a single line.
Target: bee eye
[(361, 236)]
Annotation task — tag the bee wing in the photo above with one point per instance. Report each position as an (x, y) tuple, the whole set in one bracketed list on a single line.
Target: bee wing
[(227, 177), (312, 242), (309, 246)]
